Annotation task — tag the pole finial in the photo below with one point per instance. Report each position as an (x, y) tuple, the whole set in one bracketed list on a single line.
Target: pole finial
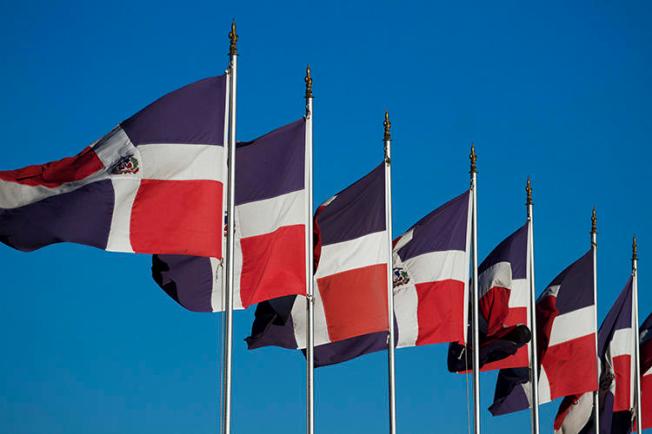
[(594, 222), (528, 191), (308, 80), (634, 250), (473, 158), (233, 37), (388, 126)]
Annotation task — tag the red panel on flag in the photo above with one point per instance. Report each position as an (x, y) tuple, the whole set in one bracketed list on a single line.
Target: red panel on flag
[(273, 265), (355, 301), (515, 316), (177, 217), (622, 368), (571, 367), (646, 401), (58, 172), (440, 312)]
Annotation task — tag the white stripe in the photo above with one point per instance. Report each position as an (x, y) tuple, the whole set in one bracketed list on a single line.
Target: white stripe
[(436, 266), (217, 292), (125, 190), (572, 325), (266, 216), (361, 252), (544, 386), (621, 343), (299, 322), (406, 303), (182, 162), (520, 294)]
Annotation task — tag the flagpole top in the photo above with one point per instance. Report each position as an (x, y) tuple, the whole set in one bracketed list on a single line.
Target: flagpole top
[(233, 37), (634, 250), (473, 159), (388, 126), (594, 222), (528, 191), (308, 80)]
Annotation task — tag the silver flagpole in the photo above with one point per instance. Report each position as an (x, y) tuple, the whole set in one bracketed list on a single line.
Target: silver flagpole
[(390, 279), (474, 289), (637, 356), (230, 224), (534, 362), (594, 248), (310, 289)]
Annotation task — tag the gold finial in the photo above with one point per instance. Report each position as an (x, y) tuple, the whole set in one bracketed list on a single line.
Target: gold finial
[(308, 81), (473, 157), (634, 251), (388, 126), (233, 37), (528, 191), (594, 222)]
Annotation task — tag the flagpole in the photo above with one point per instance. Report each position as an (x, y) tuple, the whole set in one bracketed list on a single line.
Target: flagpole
[(230, 242), (594, 249), (637, 356), (474, 289), (390, 280), (534, 362), (310, 342)]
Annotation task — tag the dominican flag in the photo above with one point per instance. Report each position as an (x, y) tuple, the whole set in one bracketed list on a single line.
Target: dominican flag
[(431, 266), (504, 288), (645, 348), (566, 340), (351, 260), (616, 397), (271, 216), (154, 184)]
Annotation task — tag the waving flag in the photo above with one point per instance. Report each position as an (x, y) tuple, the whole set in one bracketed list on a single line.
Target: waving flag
[(152, 185), (350, 276), (566, 339), (616, 351), (431, 266), (271, 218), (504, 288), (645, 334)]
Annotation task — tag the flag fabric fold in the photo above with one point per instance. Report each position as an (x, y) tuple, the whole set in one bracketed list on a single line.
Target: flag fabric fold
[(504, 288), (154, 184), (616, 396), (431, 263), (566, 339), (271, 218)]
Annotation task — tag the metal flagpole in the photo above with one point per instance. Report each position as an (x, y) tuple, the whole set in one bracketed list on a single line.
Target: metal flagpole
[(594, 249), (475, 301), (534, 362), (390, 267), (637, 356), (230, 225), (310, 289)]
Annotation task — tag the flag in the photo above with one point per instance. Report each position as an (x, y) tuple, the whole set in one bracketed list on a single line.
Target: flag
[(154, 184), (566, 339), (504, 291), (271, 216), (616, 396), (351, 260), (645, 335), (431, 263)]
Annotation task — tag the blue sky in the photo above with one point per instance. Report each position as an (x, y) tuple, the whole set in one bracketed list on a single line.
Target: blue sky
[(558, 91)]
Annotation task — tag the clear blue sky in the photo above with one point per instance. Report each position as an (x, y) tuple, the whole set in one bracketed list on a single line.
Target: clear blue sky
[(557, 91)]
